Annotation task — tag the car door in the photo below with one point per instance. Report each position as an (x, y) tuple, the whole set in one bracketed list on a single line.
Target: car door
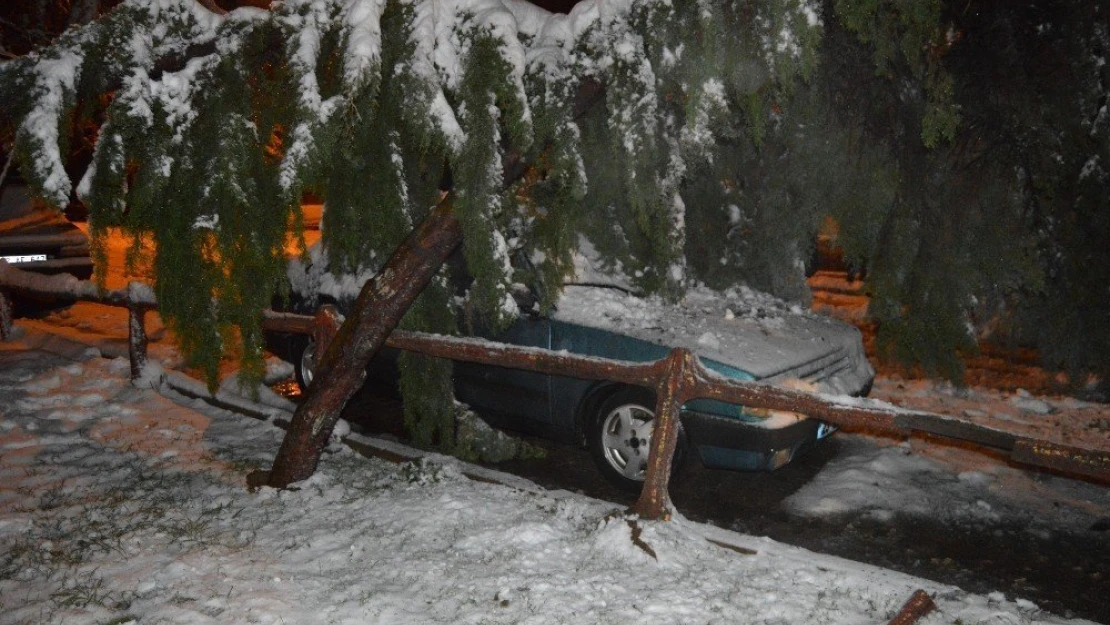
[(568, 393), (510, 398)]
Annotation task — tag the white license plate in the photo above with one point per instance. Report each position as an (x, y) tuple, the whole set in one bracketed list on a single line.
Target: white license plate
[(24, 258)]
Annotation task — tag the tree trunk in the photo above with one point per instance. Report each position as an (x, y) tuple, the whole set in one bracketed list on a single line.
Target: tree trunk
[(212, 6), (5, 315), (342, 367)]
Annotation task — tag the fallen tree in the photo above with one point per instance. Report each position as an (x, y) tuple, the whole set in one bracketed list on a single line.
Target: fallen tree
[(201, 150), (639, 124), (342, 367), (676, 379), (680, 377)]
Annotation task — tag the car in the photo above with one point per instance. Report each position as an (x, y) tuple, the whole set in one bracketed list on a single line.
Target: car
[(39, 239), (739, 333)]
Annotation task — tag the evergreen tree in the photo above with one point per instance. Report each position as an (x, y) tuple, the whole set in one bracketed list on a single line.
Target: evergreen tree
[(1043, 68), (215, 125), (962, 147), (992, 118)]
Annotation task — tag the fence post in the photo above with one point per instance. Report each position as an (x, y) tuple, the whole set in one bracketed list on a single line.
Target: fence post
[(136, 338), (325, 324), (677, 381), (5, 315)]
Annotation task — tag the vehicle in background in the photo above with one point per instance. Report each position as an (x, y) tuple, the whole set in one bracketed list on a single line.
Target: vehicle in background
[(39, 239)]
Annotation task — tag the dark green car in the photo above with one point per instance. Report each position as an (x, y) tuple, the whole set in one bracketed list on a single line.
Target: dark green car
[(740, 334)]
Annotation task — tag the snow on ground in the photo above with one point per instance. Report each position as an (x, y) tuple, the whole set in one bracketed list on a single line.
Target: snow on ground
[(122, 505), (959, 484), (954, 485), (1060, 419)]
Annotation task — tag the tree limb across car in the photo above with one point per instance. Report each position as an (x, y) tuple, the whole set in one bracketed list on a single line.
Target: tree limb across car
[(850, 413), (697, 382)]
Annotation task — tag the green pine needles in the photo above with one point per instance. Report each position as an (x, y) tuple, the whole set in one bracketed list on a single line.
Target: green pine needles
[(212, 127), (634, 127)]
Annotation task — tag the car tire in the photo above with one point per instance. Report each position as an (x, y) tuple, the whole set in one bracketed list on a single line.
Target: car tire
[(304, 361), (619, 438)]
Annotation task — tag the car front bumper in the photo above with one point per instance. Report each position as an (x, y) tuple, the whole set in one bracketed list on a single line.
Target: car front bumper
[(724, 443)]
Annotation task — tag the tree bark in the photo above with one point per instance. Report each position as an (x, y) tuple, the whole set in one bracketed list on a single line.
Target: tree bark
[(919, 605), (5, 315), (136, 340), (674, 390), (212, 6), (342, 368)]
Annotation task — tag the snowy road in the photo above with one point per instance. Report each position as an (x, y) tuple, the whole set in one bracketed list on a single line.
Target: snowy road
[(916, 507)]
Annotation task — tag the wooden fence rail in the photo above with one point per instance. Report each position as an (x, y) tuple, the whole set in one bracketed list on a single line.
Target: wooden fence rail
[(677, 379), (680, 377), (137, 298)]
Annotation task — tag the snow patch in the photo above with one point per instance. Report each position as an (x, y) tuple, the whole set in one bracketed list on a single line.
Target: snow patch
[(369, 541)]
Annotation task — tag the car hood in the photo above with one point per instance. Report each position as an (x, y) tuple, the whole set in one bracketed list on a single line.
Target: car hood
[(741, 328)]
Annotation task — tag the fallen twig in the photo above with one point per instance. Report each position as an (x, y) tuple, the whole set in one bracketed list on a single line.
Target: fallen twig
[(919, 604)]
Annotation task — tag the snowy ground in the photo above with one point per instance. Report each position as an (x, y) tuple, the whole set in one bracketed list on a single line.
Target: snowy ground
[(962, 484), (122, 505)]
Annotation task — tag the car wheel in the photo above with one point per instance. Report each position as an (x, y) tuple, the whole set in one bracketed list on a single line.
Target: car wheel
[(305, 364), (620, 438)]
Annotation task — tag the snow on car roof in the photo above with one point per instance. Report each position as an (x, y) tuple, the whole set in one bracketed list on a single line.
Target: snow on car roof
[(742, 327)]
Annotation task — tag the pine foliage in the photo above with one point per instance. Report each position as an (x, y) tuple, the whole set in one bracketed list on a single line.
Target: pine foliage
[(214, 126), (991, 120), (638, 126)]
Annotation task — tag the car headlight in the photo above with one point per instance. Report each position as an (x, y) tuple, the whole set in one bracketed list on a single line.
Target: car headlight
[(781, 458)]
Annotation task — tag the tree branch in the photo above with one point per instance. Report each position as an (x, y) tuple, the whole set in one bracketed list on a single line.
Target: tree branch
[(212, 6)]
